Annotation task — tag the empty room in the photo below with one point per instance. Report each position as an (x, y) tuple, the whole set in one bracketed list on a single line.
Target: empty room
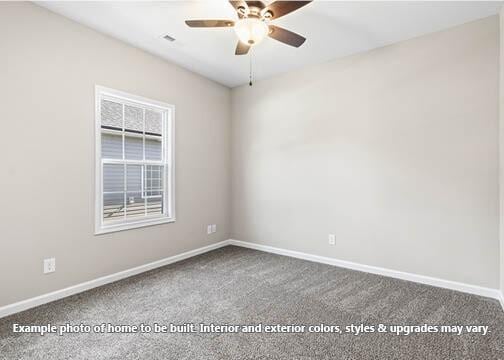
[(252, 180)]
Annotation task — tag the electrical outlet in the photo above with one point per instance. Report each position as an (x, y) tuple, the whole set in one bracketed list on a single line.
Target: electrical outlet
[(49, 265), (332, 239), (214, 228), (209, 229)]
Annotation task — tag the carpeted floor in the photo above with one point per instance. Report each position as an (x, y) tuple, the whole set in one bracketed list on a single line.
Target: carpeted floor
[(240, 286)]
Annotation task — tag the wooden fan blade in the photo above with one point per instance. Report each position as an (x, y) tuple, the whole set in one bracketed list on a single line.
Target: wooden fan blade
[(209, 23), (286, 36), (241, 48), (280, 8), (237, 5)]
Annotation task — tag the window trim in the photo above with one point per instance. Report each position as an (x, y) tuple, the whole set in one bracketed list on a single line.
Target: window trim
[(169, 153)]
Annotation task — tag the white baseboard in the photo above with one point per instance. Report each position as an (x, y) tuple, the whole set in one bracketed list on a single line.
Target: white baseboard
[(59, 294), (447, 284), (501, 298)]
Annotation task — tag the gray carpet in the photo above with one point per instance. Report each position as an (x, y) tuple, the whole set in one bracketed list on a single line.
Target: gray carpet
[(239, 286)]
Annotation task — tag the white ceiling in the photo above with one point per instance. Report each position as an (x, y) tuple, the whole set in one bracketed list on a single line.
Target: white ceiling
[(333, 29)]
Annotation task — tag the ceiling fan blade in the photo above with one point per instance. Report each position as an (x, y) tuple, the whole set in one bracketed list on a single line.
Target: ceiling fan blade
[(241, 48), (286, 36), (280, 8), (237, 5), (209, 23)]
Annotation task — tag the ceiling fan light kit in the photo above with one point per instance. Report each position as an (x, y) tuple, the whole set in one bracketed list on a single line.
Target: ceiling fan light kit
[(251, 30)]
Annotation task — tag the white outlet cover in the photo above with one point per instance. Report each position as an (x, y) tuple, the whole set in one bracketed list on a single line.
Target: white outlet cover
[(49, 265), (332, 239), (214, 228), (209, 229)]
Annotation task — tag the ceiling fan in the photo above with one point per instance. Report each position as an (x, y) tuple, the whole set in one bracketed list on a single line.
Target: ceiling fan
[(253, 23)]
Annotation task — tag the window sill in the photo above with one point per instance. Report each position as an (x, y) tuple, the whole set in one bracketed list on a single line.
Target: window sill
[(135, 225)]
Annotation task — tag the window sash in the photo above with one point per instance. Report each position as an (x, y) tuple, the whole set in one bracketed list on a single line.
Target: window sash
[(163, 176)]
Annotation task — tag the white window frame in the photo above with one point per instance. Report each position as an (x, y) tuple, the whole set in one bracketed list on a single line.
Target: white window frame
[(168, 147)]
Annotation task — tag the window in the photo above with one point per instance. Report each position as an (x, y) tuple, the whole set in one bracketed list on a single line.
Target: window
[(134, 161)]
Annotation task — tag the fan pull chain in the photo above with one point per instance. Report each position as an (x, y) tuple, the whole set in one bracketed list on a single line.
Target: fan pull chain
[(250, 69)]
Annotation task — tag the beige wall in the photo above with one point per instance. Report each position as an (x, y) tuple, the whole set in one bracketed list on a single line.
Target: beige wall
[(48, 70), (394, 150)]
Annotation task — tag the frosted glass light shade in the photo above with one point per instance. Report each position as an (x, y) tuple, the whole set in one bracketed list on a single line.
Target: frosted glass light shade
[(251, 31)]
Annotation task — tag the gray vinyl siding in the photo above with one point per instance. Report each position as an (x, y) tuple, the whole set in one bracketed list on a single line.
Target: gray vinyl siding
[(133, 147), (111, 146), (153, 149)]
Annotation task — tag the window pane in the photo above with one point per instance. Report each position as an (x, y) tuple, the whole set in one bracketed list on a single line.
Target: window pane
[(133, 119), (134, 178), (111, 114), (135, 203), (153, 181), (155, 206), (113, 206), (113, 178), (153, 149), (153, 122), (113, 192), (133, 147), (111, 146)]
